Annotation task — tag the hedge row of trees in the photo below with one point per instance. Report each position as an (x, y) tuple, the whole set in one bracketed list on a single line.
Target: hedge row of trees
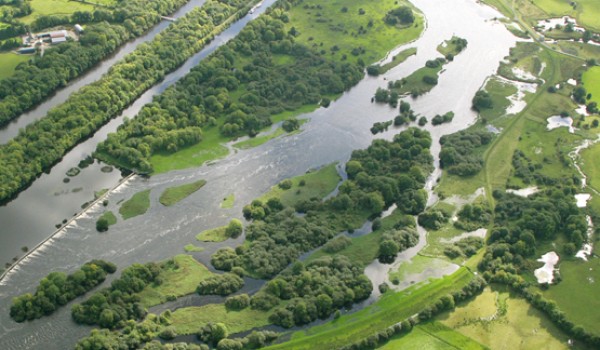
[(458, 155), (237, 89), (44, 142), (35, 80), (112, 307), (57, 289)]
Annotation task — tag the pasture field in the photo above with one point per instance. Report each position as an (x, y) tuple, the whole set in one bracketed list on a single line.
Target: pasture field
[(591, 82), (138, 204), (576, 295), (9, 61), (432, 336), (591, 166), (56, 7), (180, 278), (190, 319)]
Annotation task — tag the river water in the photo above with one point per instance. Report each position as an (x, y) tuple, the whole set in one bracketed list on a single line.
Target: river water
[(330, 136)]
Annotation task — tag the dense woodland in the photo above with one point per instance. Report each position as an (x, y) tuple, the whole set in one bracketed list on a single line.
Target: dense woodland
[(57, 289), (261, 72), (112, 307), (106, 30), (460, 155), (44, 142)]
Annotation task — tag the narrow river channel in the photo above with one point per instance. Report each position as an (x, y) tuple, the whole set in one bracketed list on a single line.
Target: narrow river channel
[(330, 136)]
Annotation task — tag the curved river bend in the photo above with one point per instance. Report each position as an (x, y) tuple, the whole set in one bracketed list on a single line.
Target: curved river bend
[(331, 136)]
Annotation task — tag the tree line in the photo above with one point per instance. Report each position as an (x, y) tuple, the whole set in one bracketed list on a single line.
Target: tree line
[(57, 289), (44, 142)]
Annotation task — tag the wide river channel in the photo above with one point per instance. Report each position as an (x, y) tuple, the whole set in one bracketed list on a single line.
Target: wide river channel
[(162, 232)]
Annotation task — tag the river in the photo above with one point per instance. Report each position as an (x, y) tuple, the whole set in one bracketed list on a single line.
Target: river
[(30, 218), (330, 136)]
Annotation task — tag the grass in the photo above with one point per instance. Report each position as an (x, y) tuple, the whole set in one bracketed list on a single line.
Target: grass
[(576, 294), (414, 84), (398, 59), (110, 217), (190, 248), (587, 12), (173, 195), (259, 140), (179, 279), (218, 234), (499, 92), (389, 309), (417, 265), (136, 205), (432, 336), (591, 82), (591, 166), (9, 61), (228, 201), (500, 320), (449, 47), (326, 27), (190, 319), (54, 7), (318, 183), (364, 249)]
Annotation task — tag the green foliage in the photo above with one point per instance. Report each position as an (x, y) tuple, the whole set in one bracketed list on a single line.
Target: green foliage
[(317, 290), (433, 219), (482, 100), (472, 217), (238, 302), (394, 241), (212, 333), (440, 119), (337, 244), (458, 155), (112, 307), (173, 195), (102, 225), (402, 15), (224, 284), (57, 289)]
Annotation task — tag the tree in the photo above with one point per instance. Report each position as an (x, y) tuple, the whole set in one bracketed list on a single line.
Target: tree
[(234, 229), (482, 100), (102, 225)]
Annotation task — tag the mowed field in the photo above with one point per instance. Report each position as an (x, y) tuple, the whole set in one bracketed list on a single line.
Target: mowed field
[(61, 7), (8, 62), (433, 336)]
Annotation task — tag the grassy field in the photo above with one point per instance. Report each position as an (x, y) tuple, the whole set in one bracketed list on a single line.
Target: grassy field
[(178, 280), (414, 84), (323, 25), (591, 82), (432, 336), (591, 166), (259, 140), (190, 319), (136, 205), (55, 7), (110, 217), (576, 295), (417, 265), (449, 47), (228, 201), (8, 62), (501, 321), (190, 248), (218, 234), (364, 249), (173, 195), (390, 309), (317, 183)]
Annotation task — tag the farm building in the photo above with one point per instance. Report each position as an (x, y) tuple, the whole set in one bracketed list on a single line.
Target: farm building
[(78, 29), (26, 50)]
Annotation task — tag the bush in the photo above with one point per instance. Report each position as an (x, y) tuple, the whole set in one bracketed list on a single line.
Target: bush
[(238, 302), (102, 225), (285, 184), (224, 284)]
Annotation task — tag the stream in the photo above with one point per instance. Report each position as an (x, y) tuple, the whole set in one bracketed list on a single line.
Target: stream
[(162, 232)]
